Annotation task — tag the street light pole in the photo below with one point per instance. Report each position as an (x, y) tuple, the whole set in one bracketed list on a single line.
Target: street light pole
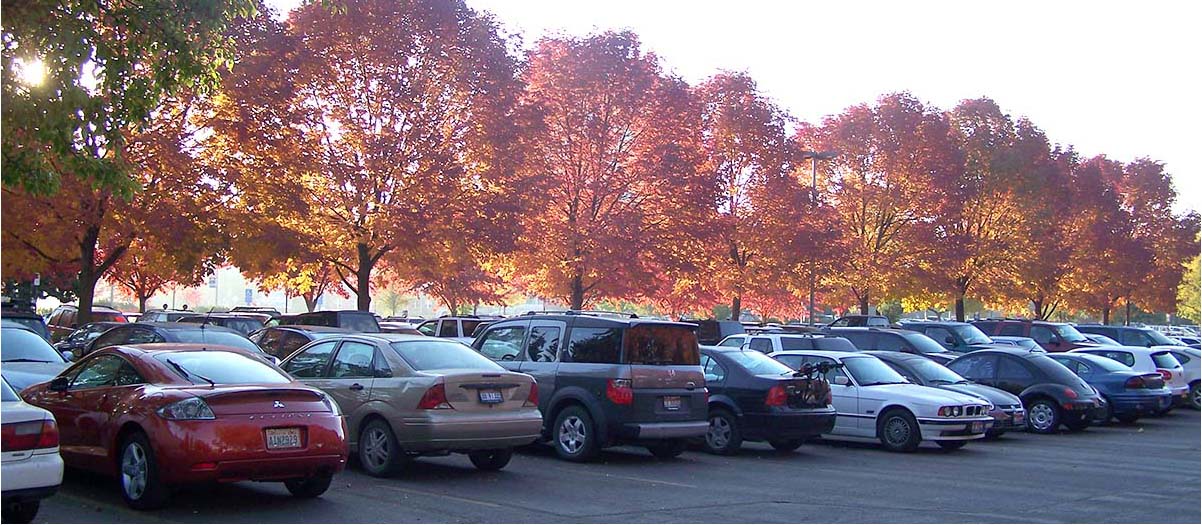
[(814, 157)]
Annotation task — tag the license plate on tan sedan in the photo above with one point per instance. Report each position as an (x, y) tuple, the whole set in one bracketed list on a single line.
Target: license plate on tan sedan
[(490, 397), (278, 438), (671, 402), (978, 427)]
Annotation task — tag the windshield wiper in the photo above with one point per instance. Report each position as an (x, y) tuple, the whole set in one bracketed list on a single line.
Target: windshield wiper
[(26, 360), (942, 382), (186, 373), (886, 383)]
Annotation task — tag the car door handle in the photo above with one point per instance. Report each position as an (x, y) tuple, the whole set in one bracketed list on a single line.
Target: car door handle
[(356, 386), (690, 385)]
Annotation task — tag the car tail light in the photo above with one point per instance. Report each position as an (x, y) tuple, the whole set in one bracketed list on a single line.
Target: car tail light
[(619, 391), (191, 408), (776, 396), (532, 397), (30, 435), (1167, 375), (1135, 382), (434, 399), (1070, 393)]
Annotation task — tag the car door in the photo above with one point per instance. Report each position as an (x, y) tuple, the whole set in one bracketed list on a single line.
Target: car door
[(845, 395), (79, 410), (761, 344), (505, 344), (977, 368), (541, 356), (349, 377), (310, 363)]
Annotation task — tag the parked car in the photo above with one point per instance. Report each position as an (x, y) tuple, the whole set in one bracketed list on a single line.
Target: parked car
[(1128, 335), (390, 327), (711, 331), (894, 340), (164, 316), (132, 317), (874, 401), (1051, 393), (756, 398), (1189, 340), (237, 322), (167, 414), (65, 319), (406, 396), (29, 320), (1006, 408), (1100, 340), (1128, 394), (780, 342), (860, 320), (281, 341), (1025, 343), (353, 320), (606, 380), (265, 310), (142, 333), (27, 358), (1190, 358), (81, 337), (457, 328), (957, 337), (1149, 360), (30, 463), (1053, 337)]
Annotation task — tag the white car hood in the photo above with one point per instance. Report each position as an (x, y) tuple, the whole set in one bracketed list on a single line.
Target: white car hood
[(919, 394)]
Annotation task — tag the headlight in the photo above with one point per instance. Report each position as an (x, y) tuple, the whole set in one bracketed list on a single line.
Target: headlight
[(193, 408)]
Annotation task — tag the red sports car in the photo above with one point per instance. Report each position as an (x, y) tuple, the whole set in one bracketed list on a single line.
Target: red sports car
[(165, 414)]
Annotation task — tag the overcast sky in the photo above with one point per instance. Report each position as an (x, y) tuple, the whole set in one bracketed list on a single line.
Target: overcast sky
[(1107, 77)]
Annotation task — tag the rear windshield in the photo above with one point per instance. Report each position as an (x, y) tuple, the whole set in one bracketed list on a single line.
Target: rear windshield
[(834, 344), (23, 346), (244, 326), (759, 364), (37, 325), (359, 322), (223, 368), (1057, 372), (7, 394), (649, 344), (1165, 360), (217, 338), (441, 355)]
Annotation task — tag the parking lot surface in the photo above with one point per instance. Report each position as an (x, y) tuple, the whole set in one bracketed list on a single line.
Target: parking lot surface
[(1145, 472)]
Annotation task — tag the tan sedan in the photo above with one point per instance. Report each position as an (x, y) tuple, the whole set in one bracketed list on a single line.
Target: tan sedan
[(406, 396)]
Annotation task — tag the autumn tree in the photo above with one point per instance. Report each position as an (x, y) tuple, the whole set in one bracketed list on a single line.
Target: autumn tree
[(309, 281), (1189, 303)]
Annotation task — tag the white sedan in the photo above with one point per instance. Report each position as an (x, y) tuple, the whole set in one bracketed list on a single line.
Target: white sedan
[(31, 467), (874, 401)]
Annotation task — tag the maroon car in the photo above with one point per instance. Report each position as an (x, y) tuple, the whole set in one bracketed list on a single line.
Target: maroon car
[(166, 414), (1053, 337)]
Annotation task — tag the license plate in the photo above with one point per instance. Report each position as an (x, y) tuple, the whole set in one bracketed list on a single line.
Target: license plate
[(1019, 418), (490, 397), (278, 438), (978, 427), (672, 402)]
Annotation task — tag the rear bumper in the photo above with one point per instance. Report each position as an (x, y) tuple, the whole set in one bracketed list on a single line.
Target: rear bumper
[(30, 494), (682, 429), (789, 425), (1141, 403), (469, 432), (34, 473), (954, 429)]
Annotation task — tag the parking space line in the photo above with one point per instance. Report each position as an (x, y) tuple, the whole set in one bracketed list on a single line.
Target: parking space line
[(627, 478), (439, 495)]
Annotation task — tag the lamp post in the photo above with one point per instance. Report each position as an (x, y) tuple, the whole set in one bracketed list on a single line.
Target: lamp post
[(814, 157)]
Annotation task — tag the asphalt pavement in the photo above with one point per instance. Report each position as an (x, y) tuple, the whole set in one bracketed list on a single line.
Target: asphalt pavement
[(1145, 472)]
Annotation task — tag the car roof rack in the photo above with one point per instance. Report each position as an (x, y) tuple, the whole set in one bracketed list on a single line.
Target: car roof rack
[(594, 313)]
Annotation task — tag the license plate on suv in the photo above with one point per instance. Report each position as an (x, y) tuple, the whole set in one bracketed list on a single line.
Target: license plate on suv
[(671, 402), (490, 397), (279, 438)]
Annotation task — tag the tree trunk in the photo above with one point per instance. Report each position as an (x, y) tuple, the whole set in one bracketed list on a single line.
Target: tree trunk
[(363, 278), (311, 301), (1037, 308), (736, 308), (577, 290), (1127, 315), (87, 275), (864, 304), (960, 308), (1106, 315), (142, 302)]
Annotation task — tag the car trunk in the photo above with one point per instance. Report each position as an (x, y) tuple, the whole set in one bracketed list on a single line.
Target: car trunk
[(803, 393), (234, 401), (485, 391)]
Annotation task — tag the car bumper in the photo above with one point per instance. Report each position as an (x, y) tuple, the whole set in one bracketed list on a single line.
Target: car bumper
[(25, 478), (681, 429), (1008, 420), (1141, 403), (437, 432), (1091, 410), (788, 425), (954, 429)]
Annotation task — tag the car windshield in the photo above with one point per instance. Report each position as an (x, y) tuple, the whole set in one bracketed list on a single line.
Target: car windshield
[(868, 371), (1159, 338), (222, 368), (1102, 340), (925, 344), (23, 346), (661, 344), (218, 338), (759, 364), (932, 372), (971, 334), (437, 354), (37, 325), (7, 394), (1069, 333), (1165, 360)]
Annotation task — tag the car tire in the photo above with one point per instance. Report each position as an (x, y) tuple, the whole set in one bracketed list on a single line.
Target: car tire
[(495, 459), (898, 431), (310, 487), (138, 474), (723, 436), (952, 445), (668, 448), (1077, 425), (1195, 395), (380, 454), (1127, 419), (574, 435), (786, 445), (1043, 416), (21, 511)]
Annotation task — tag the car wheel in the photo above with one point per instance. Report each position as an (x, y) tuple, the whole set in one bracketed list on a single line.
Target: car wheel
[(21, 511), (491, 459), (1127, 418), (140, 485), (1079, 424), (786, 445), (898, 431), (310, 487), (723, 436), (379, 452), (952, 445), (1195, 396), (1043, 416), (667, 448), (574, 436)]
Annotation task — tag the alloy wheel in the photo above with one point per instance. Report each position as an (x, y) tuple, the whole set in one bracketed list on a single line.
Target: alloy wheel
[(718, 435), (571, 435), (134, 466), (897, 430), (375, 449), (1041, 416)]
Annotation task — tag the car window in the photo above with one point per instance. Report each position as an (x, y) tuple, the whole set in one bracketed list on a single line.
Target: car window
[(448, 328), (830, 376), (543, 345), (759, 364), (127, 375), (469, 326), (503, 343), (23, 345), (975, 367), (796, 343), (760, 344), (441, 355), (891, 343), (986, 326), (860, 340), (735, 342), (1009, 369), (941, 335), (1133, 338), (101, 371), (112, 337), (714, 372), (139, 336), (116, 317), (353, 360), (660, 344), (68, 318), (594, 345), (312, 361), (7, 394), (1041, 334), (290, 342), (834, 344), (1126, 358), (1011, 329), (791, 361), (428, 328), (1181, 357), (54, 317), (1165, 360)]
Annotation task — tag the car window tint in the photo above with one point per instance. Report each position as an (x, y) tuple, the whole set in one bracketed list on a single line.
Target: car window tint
[(1041, 334), (714, 372), (428, 328), (433, 354), (734, 342), (543, 345), (99, 372), (127, 375), (860, 340), (1165, 360), (1181, 357), (1133, 338), (139, 336), (503, 343), (312, 361), (448, 328), (353, 360), (791, 361), (112, 337), (941, 335), (469, 326), (761, 344), (1009, 369), (289, 343), (1012, 329), (594, 345), (892, 343), (977, 367), (796, 343), (1126, 358)]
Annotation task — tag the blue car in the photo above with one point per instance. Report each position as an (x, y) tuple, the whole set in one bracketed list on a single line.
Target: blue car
[(1128, 394)]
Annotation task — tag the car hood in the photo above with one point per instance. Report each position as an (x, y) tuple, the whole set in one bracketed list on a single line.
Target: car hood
[(996, 396), (21, 375), (922, 394)]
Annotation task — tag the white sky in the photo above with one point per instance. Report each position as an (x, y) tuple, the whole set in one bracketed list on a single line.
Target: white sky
[(1106, 77)]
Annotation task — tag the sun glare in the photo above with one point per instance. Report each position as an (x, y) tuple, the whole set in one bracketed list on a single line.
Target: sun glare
[(31, 73)]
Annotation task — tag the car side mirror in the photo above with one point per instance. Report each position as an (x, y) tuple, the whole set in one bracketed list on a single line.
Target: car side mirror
[(842, 381), (68, 355), (59, 384)]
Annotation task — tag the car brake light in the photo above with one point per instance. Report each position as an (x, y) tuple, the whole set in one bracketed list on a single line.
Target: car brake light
[(532, 397), (776, 396), (29, 435), (434, 399), (1167, 375), (1070, 393), (1135, 382), (619, 391)]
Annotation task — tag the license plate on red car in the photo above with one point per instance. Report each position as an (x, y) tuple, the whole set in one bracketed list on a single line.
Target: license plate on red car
[(490, 397), (278, 438), (671, 402), (978, 427)]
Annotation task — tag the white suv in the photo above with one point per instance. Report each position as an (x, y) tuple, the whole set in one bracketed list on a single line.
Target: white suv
[(31, 467), (461, 329), (768, 343)]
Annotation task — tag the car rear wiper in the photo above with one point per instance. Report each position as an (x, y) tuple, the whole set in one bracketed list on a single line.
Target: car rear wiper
[(186, 373)]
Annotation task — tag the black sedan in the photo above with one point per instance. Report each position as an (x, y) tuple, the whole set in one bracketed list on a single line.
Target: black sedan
[(165, 332), (756, 398), (1051, 393), (82, 337), (1007, 412), (281, 341)]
